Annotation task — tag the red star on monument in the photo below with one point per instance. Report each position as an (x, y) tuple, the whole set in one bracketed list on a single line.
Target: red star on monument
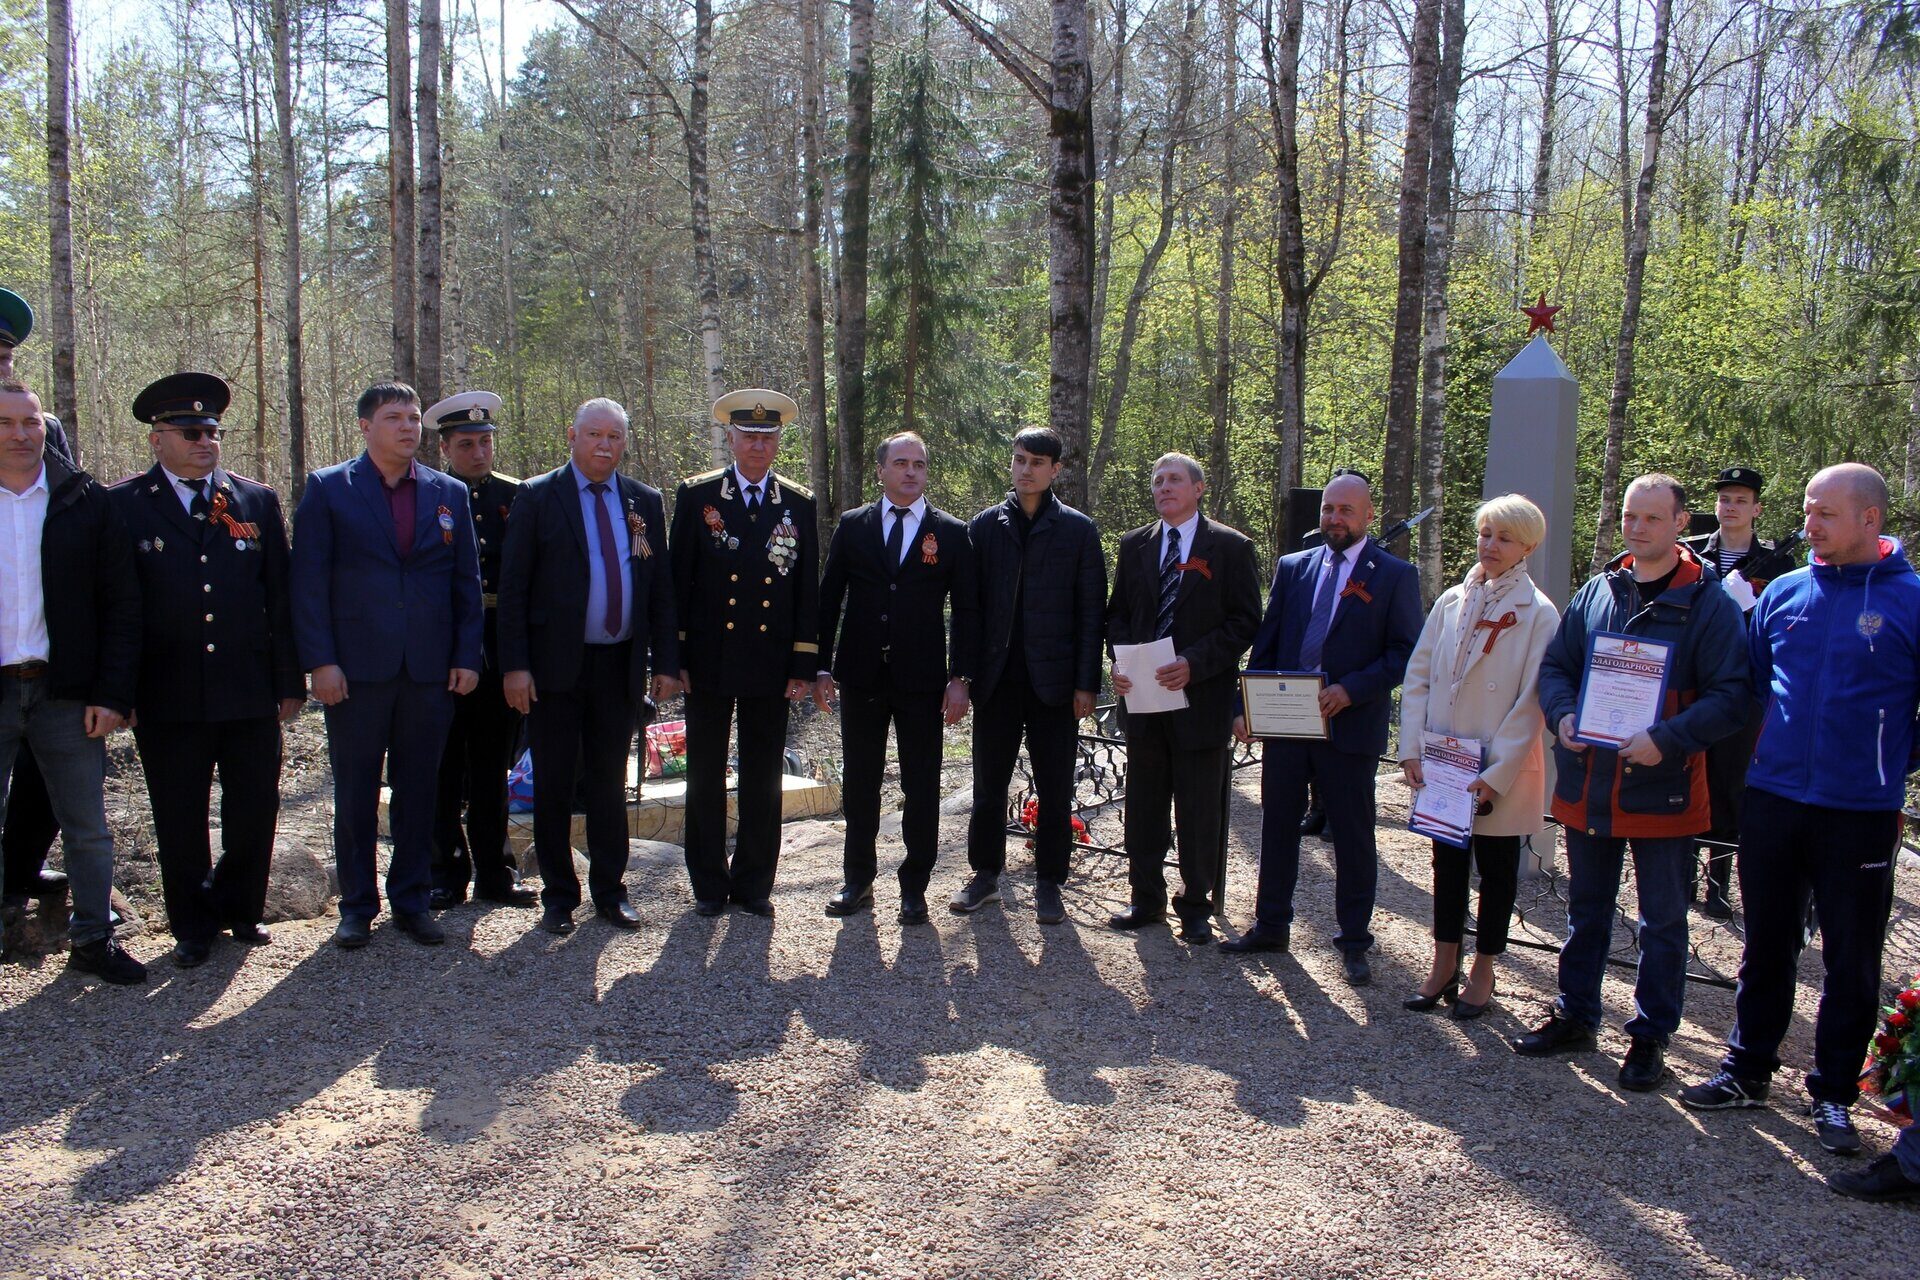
[(1540, 316)]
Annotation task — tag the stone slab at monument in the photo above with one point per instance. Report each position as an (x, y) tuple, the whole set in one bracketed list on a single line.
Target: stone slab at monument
[(1533, 449)]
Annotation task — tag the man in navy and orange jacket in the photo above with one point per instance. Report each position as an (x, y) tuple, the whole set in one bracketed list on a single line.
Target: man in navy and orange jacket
[(1652, 791)]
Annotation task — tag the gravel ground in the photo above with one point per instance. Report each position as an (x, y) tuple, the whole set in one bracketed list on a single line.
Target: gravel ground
[(810, 1098)]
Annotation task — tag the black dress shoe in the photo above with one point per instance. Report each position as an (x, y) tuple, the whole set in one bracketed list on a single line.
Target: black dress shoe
[(1447, 994), (1136, 918), (913, 907), (1258, 938), (1555, 1035), (851, 900), (421, 927), (109, 961), (1645, 1066), (762, 907), (441, 899), (620, 915), (1359, 971), (251, 934), (191, 953), (513, 895), (1196, 931), (709, 906), (1881, 1180), (556, 921), (1313, 822), (352, 933)]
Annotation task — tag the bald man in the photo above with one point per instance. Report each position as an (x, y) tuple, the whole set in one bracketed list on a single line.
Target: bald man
[(1835, 654)]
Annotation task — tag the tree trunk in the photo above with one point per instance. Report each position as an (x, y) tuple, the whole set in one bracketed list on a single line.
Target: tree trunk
[(431, 352), (1070, 244), (1549, 111), (1149, 265), (850, 321), (1433, 373), (706, 271), (1116, 124), (813, 76), (60, 214), (247, 52), (1640, 232), (454, 354), (516, 388), (1396, 483), (282, 18), (1217, 450), (400, 190)]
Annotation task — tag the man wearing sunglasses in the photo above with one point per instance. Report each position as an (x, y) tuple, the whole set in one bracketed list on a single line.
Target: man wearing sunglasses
[(218, 669)]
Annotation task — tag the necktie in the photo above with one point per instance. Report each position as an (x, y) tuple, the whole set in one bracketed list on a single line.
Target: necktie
[(1316, 638), (896, 538), (1169, 585), (199, 507), (609, 557), (753, 501)]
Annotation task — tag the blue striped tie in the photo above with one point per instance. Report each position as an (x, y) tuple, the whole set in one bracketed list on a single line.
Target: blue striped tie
[(1316, 638), (1169, 585)]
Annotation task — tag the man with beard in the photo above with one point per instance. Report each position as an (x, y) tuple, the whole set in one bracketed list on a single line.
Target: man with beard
[(1350, 611)]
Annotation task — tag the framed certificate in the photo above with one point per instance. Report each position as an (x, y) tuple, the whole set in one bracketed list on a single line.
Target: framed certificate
[(1283, 704), (1622, 689)]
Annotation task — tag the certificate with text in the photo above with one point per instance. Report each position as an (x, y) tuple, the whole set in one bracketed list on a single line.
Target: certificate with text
[(1623, 688), (1443, 808), (1283, 704)]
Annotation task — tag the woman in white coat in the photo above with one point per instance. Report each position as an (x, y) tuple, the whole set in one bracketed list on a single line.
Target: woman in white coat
[(1473, 676)]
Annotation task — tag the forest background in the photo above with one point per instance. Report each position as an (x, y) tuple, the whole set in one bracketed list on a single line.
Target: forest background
[(1281, 235)]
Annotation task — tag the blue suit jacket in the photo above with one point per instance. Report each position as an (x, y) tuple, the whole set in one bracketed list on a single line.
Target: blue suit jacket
[(359, 606), (1375, 628)]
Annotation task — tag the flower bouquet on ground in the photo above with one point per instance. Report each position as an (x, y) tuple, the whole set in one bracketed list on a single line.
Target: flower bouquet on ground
[(1893, 1064), (1030, 818)]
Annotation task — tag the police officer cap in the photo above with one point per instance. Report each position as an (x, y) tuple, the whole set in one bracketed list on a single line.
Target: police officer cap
[(1745, 476), (16, 318), (183, 400), (468, 411), (755, 409)]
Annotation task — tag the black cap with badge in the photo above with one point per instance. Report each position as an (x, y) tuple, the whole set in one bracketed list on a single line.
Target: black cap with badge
[(183, 400), (1746, 477)]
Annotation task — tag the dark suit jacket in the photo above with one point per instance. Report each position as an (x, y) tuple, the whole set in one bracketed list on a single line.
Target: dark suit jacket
[(544, 579), (359, 606), (898, 614), (1215, 615), (217, 607), (748, 603), (1375, 627), (1059, 576)]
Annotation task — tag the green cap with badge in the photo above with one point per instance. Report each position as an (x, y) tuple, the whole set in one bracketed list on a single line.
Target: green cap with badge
[(16, 319)]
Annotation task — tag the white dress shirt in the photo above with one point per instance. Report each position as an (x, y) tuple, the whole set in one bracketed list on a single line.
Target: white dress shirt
[(915, 514), (184, 489), (23, 602), (1186, 531), (741, 483)]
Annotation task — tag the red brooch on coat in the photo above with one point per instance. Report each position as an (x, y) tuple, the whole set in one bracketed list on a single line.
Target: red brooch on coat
[(929, 550)]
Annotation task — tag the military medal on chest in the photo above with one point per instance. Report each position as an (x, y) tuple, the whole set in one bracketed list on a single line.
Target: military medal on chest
[(929, 549), (718, 528), (783, 544)]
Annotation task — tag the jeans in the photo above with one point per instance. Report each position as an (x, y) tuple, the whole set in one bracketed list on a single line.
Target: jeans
[(1661, 868), (75, 769)]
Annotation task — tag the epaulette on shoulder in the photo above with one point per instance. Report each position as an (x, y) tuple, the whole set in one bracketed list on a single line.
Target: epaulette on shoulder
[(501, 475), (705, 476), (799, 489)]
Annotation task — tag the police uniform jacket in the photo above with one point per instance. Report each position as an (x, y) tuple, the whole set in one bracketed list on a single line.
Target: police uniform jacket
[(492, 500), (896, 615), (747, 591), (216, 608), (545, 581)]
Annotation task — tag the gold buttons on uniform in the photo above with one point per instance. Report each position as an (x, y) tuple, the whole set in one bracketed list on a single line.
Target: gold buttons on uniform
[(763, 626), (733, 577), (769, 581), (766, 604), (209, 648), (729, 626), (206, 586), (209, 617), (731, 600)]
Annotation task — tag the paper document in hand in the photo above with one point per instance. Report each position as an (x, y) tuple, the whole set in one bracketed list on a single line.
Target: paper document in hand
[(1138, 662), (1623, 688), (1443, 807)]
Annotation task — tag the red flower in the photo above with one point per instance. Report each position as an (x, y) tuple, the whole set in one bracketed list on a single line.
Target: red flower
[(1898, 1022), (1909, 1000), (1887, 1043)]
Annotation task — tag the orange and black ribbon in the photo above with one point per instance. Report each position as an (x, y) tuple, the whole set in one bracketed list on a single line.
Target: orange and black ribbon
[(1197, 565), (1495, 628), (221, 516), (1355, 587)]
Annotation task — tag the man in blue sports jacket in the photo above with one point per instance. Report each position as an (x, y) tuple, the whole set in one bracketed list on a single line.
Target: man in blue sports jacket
[(1835, 653), (1352, 611), (387, 616)]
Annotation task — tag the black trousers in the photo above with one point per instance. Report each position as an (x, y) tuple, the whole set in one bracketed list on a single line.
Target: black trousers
[(1844, 859), (1052, 735), (1169, 788), (30, 827), (1345, 782), (762, 723), (1499, 859), (916, 719), (589, 729), (204, 896), (473, 778)]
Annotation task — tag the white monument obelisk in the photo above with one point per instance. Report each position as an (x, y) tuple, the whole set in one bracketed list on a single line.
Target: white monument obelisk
[(1532, 447)]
